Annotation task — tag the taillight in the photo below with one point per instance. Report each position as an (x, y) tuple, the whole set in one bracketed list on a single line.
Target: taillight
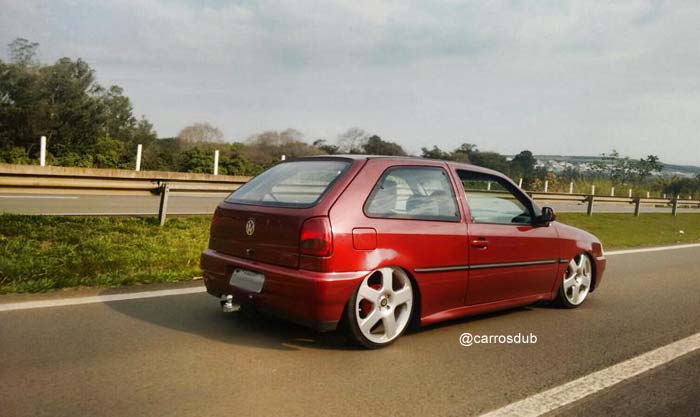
[(215, 217), (316, 238)]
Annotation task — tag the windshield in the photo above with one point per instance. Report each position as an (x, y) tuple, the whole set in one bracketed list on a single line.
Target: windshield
[(291, 184)]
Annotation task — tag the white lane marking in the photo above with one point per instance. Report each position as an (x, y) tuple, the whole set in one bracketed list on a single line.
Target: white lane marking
[(25, 305), (41, 196), (577, 389), (653, 249)]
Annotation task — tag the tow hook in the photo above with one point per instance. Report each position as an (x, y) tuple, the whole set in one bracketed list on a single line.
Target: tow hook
[(228, 305)]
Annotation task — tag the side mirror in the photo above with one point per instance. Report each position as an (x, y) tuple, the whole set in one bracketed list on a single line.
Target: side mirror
[(546, 217)]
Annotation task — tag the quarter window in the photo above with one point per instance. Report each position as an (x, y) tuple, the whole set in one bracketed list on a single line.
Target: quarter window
[(492, 199), (422, 193)]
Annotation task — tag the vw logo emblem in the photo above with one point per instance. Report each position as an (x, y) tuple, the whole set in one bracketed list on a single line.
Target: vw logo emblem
[(250, 227)]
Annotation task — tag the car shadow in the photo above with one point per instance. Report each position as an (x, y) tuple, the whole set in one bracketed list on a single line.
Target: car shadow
[(199, 314)]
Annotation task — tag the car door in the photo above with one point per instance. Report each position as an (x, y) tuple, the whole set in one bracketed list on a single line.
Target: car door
[(419, 226), (509, 256)]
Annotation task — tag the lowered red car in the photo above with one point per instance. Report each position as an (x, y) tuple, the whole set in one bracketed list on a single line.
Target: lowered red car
[(377, 243)]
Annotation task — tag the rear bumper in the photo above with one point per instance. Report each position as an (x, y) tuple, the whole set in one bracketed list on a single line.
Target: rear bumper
[(313, 299), (600, 263)]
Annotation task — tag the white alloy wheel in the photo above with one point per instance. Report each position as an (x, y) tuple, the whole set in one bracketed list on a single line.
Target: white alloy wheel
[(382, 307), (577, 279)]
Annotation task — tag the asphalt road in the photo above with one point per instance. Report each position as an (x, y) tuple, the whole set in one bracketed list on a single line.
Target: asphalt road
[(180, 356), (120, 204)]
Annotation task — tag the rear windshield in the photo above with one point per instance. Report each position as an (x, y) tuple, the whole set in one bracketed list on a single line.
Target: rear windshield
[(297, 184)]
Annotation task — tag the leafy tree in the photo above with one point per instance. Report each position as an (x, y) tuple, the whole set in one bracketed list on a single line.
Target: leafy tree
[(376, 146), (648, 166), (325, 147), (64, 102), (435, 153), (523, 165)]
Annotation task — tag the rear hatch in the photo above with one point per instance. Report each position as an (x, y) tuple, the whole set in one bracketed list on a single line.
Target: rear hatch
[(262, 220)]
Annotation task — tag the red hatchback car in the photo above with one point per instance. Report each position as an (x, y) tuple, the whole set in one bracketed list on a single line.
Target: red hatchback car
[(379, 242)]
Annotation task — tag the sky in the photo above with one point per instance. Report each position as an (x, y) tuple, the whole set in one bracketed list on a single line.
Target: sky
[(555, 77)]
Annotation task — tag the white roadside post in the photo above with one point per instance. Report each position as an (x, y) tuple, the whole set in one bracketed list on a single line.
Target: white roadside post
[(612, 192), (520, 183), (488, 186), (592, 189), (139, 148), (571, 187), (42, 152), (546, 186), (647, 194), (216, 162), (630, 193), (284, 157)]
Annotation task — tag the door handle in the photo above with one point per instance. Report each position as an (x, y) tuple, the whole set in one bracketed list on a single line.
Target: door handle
[(480, 243)]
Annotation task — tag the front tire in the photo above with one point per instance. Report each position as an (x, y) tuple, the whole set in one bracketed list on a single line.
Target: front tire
[(380, 310), (576, 282)]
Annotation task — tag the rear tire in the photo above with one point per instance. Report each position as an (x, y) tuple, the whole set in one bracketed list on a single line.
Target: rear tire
[(380, 309), (576, 282)]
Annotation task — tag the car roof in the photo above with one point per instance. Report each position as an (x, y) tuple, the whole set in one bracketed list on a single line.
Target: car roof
[(414, 159)]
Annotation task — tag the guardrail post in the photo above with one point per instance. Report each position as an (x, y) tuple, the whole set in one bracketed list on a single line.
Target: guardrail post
[(139, 148), (163, 208), (216, 162), (589, 211), (674, 206), (571, 187), (637, 204), (42, 151)]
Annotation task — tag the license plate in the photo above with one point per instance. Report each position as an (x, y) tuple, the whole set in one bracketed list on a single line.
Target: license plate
[(247, 280)]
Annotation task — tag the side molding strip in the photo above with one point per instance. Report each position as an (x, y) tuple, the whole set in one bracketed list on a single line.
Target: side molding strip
[(485, 266)]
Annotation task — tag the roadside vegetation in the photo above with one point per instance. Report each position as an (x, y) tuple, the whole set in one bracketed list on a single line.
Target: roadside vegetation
[(41, 253), (617, 230)]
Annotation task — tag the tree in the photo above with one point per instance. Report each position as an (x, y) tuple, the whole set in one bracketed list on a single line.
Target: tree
[(200, 132), (435, 153), (648, 166), (352, 140), (523, 165), (64, 102), (462, 154), (376, 146), (22, 52), (322, 145), (266, 148)]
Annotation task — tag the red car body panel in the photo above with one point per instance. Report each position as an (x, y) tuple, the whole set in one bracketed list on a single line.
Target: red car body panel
[(458, 267)]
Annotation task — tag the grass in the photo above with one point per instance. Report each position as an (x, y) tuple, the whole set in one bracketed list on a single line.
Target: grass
[(40, 253), (617, 230)]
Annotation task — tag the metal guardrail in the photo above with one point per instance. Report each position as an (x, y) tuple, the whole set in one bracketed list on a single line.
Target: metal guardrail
[(89, 181)]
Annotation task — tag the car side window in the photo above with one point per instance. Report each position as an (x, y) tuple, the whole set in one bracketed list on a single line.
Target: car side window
[(421, 193), (492, 199)]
